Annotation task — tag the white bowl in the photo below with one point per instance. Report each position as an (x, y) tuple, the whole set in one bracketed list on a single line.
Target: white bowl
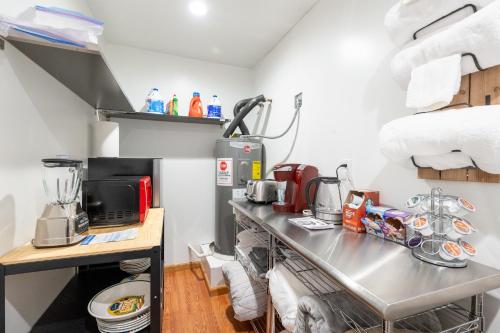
[(126, 324), (138, 329), (142, 277), (99, 304)]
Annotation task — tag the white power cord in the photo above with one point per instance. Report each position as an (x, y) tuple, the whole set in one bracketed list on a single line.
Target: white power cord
[(298, 105)]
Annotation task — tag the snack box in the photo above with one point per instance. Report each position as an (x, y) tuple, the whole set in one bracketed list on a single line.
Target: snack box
[(354, 208), (387, 223)]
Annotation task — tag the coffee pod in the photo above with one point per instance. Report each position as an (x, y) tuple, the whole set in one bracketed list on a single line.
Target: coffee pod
[(466, 204), (450, 251), (468, 248), (415, 241), (413, 201), (421, 224), (459, 228)]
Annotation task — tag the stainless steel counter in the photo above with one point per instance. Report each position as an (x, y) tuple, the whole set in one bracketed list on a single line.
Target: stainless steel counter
[(382, 274)]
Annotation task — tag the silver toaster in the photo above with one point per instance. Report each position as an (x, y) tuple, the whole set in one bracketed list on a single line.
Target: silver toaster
[(261, 191)]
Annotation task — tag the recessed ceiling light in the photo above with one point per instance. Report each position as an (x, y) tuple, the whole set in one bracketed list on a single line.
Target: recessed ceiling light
[(198, 8)]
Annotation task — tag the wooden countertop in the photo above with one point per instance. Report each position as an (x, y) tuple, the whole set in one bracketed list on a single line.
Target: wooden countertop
[(149, 236)]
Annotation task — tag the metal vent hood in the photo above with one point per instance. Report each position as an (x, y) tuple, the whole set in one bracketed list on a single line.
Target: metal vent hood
[(83, 71)]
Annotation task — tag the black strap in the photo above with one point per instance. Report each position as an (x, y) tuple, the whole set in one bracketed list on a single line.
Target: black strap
[(474, 9), (412, 158)]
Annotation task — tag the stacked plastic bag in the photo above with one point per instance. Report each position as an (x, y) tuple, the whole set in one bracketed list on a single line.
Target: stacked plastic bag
[(53, 24)]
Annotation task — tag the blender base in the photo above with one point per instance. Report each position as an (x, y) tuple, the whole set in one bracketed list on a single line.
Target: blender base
[(57, 242)]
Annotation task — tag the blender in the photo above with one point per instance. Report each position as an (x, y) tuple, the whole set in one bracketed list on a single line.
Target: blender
[(63, 221)]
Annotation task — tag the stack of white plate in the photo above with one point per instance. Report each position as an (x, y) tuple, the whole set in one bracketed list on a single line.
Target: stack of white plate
[(135, 266), (123, 307)]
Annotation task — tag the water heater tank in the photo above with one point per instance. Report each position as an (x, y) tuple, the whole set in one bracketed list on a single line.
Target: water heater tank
[(237, 161)]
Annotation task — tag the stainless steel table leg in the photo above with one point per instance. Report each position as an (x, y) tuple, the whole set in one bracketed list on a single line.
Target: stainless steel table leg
[(476, 309), (388, 326), (156, 283), (270, 319), (271, 315)]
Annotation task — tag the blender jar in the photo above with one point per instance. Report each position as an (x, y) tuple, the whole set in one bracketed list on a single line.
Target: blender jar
[(62, 179)]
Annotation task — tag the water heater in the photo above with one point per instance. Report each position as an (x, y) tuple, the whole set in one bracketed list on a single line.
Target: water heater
[(238, 160)]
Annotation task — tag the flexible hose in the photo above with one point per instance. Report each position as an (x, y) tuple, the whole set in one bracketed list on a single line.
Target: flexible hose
[(280, 135), (237, 108), (242, 114)]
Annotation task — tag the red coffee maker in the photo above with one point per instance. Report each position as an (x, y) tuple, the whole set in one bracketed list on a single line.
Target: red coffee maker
[(292, 180)]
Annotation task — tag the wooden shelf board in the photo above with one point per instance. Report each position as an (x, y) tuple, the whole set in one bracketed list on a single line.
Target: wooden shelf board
[(149, 236)]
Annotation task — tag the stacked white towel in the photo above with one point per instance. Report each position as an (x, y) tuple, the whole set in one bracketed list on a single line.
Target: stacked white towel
[(285, 290), (408, 16), (433, 85), (431, 138), (478, 34)]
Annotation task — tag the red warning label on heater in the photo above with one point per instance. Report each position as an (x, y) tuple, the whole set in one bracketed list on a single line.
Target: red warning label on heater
[(224, 172), (247, 149)]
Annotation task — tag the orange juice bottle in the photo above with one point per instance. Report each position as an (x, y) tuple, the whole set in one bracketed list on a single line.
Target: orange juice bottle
[(196, 108)]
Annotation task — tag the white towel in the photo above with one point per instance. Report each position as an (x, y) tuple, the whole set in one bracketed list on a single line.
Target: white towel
[(285, 290), (478, 34), (408, 16), (434, 84), (474, 131)]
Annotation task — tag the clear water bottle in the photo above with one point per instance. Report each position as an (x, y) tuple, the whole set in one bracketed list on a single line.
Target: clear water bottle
[(154, 101), (214, 108)]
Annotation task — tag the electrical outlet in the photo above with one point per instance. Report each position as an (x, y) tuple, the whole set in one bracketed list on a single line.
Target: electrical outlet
[(298, 101)]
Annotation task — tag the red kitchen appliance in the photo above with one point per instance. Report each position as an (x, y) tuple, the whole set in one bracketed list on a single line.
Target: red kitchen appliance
[(118, 200), (145, 196), (292, 181)]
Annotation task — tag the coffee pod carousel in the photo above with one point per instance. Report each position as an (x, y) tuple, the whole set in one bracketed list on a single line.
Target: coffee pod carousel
[(439, 229)]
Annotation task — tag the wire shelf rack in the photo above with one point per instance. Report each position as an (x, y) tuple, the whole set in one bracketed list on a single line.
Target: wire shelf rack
[(259, 324), (255, 273), (452, 317), (255, 230)]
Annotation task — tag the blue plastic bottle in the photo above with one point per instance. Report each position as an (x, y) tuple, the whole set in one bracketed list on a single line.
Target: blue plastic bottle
[(154, 102), (214, 108)]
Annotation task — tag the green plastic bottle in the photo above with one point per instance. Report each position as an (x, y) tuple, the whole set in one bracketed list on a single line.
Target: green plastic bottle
[(175, 106)]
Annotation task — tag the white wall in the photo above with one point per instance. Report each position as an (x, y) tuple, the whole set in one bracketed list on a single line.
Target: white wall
[(338, 55), (39, 118), (189, 167)]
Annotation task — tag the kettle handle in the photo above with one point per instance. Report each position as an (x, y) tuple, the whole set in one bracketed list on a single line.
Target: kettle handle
[(310, 183), (316, 180)]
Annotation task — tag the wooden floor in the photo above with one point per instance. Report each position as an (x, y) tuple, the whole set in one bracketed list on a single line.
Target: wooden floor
[(189, 308)]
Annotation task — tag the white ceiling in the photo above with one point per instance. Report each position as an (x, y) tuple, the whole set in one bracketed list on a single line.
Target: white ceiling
[(235, 32)]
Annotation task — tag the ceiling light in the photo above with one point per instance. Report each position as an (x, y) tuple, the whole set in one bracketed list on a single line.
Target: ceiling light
[(198, 8)]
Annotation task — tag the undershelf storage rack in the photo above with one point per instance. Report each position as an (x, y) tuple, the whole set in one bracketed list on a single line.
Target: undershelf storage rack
[(457, 317), (262, 238)]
